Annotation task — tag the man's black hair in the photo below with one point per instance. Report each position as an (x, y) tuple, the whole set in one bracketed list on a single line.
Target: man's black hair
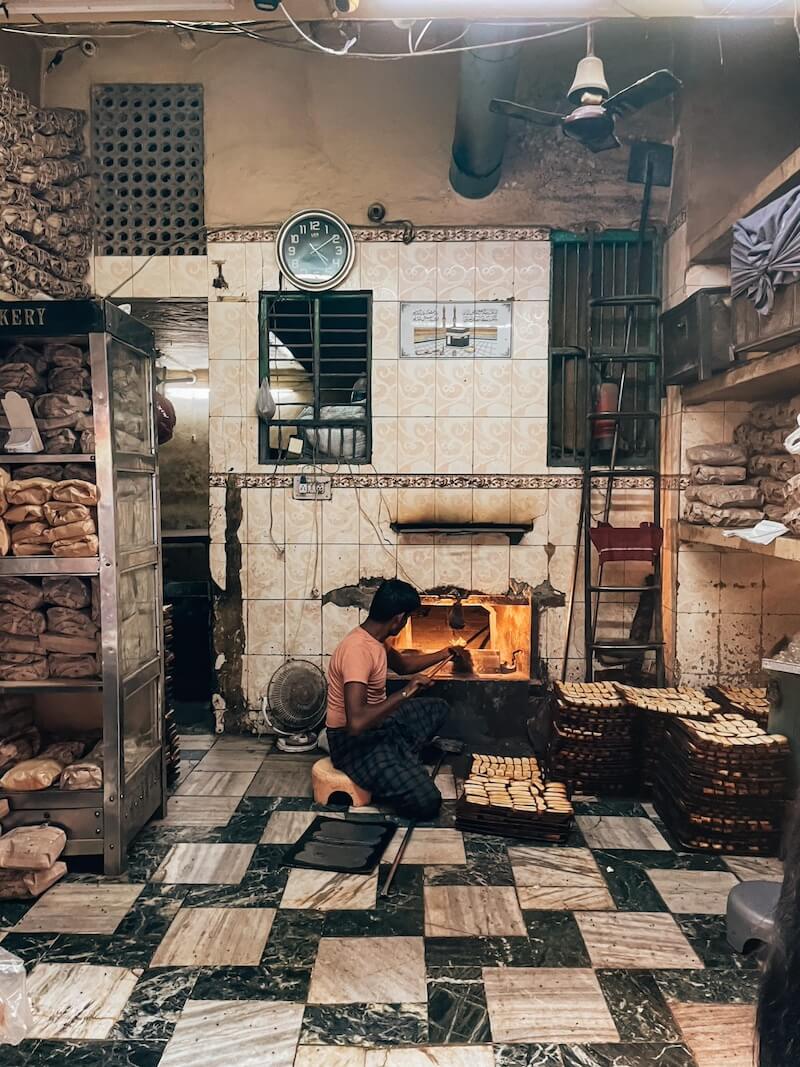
[(394, 598)]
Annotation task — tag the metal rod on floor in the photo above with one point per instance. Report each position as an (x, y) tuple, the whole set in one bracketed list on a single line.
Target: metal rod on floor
[(401, 851)]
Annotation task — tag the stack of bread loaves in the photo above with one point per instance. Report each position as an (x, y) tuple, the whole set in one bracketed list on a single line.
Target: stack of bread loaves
[(29, 861), (41, 517), (719, 493)]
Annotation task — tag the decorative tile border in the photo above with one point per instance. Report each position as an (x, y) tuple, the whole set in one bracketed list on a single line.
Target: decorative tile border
[(429, 481), (397, 234), (676, 221)]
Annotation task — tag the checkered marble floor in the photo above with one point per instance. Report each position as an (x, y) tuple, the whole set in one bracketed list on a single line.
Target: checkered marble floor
[(489, 952)]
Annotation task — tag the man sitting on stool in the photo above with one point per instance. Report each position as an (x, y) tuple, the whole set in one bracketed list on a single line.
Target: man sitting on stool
[(376, 739)]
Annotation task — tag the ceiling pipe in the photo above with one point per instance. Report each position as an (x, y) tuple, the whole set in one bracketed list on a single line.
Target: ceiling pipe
[(480, 136)]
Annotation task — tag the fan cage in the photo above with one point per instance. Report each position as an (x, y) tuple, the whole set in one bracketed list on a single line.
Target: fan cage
[(296, 696)]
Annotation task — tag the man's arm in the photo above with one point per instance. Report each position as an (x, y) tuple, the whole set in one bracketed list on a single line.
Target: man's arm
[(362, 716), (413, 662)]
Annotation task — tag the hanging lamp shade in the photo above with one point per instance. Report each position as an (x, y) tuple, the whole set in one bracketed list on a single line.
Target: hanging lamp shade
[(589, 78)]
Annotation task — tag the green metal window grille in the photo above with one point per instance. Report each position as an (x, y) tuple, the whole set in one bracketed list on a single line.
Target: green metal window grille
[(611, 270), (315, 352)]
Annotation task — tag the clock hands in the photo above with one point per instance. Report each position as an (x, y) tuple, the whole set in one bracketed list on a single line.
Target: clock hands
[(313, 249)]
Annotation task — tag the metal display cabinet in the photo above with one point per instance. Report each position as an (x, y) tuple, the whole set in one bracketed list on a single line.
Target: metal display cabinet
[(127, 698)]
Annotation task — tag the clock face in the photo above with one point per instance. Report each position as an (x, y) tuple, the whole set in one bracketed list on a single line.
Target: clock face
[(315, 249)]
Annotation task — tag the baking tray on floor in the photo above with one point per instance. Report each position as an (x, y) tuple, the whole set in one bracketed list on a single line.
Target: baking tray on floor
[(347, 846)]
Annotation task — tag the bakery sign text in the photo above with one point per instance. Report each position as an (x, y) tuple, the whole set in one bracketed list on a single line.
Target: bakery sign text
[(21, 316)]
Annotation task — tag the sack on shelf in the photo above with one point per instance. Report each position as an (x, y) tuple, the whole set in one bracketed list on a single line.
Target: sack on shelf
[(88, 774), (29, 491), (5, 539), (60, 513), (60, 442), (69, 592), (792, 492), (21, 885), (24, 513), (29, 532), (79, 472), (59, 404), (27, 646), (781, 468), (32, 774), (774, 491), (724, 454), (709, 475), (22, 746), (755, 441), (72, 646), (31, 548), (52, 472), (88, 442), (64, 751), (31, 848), (23, 668), (726, 496), (775, 512), (792, 519), (21, 378), (740, 518), (81, 548), (72, 380), (66, 666), (25, 621), (21, 591), (775, 416), (71, 622), (65, 355), (76, 491), (73, 531), (23, 353)]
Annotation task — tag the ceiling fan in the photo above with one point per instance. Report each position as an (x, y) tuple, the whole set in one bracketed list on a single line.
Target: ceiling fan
[(592, 120)]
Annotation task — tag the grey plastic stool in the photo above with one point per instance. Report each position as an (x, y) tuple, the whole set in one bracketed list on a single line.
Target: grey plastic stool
[(751, 912)]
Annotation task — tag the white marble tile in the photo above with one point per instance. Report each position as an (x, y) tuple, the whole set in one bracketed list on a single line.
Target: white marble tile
[(216, 784), (76, 1001), (718, 1035), (284, 776), (375, 970), (198, 811), (215, 937), (197, 742), (77, 908), (329, 891), (285, 827), (235, 760), (563, 879), (244, 1033), (330, 1056), (755, 868), (428, 1056), (205, 864), (428, 846), (694, 892), (620, 831), (472, 911), (559, 1005), (638, 940)]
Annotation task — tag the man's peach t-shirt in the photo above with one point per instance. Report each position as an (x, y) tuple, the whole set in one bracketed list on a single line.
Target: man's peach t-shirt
[(359, 658)]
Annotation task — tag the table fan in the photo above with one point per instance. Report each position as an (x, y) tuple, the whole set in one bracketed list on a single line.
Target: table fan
[(294, 705)]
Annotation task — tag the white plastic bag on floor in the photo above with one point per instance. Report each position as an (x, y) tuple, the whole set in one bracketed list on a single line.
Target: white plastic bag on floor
[(16, 1020)]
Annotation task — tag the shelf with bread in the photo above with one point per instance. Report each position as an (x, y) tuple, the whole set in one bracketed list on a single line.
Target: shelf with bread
[(81, 641)]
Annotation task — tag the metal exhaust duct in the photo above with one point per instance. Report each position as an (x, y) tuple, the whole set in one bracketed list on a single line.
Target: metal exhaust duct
[(480, 136)]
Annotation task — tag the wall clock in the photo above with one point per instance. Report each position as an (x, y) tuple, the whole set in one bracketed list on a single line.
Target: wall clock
[(316, 250)]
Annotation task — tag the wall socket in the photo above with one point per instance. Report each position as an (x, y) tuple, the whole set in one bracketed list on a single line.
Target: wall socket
[(311, 487)]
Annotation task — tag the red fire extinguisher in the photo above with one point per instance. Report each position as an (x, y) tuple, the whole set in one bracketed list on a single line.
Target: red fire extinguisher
[(606, 403)]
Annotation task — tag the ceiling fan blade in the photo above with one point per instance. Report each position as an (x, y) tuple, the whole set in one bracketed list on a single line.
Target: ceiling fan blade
[(646, 91), (528, 114), (603, 144)]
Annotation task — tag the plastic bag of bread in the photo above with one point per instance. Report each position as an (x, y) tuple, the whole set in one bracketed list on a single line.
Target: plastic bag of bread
[(23, 592), (708, 475), (65, 355), (781, 468), (80, 548), (57, 405), (5, 539), (773, 490), (726, 496), (792, 519), (20, 885), (26, 621), (775, 415), (31, 848), (72, 531), (22, 353), (60, 513), (720, 455), (775, 512), (31, 775), (19, 668), (734, 518), (87, 774), (31, 548), (73, 380), (23, 746), (71, 646), (29, 491), (79, 472), (88, 442), (64, 751), (24, 513), (76, 491), (22, 378), (71, 622), (26, 645), (64, 666), (32, 532), (69, 592), (60, 442)]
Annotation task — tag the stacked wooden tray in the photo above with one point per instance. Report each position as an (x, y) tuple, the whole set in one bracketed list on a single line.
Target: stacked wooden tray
[(509, 796), (722, 784), (751, 702), (594, 745), (656, 709)]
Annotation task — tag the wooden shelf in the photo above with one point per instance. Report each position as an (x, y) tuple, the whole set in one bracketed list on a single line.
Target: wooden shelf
[(763, 378), (785, 547), (714, 245)]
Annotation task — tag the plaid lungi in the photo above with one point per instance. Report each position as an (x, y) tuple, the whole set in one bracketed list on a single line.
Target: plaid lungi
[(386, 760)]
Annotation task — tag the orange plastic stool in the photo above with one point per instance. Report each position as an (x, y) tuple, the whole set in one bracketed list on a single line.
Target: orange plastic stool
[(326, 781)]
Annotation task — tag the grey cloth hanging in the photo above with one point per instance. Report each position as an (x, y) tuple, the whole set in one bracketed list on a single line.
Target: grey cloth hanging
[(766, 251)]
